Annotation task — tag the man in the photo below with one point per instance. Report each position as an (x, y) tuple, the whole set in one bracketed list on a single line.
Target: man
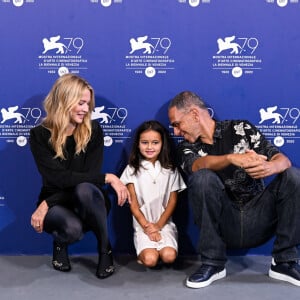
[(226, 163)]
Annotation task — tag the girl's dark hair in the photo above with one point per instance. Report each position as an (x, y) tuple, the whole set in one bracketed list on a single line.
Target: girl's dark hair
[(165, 158)]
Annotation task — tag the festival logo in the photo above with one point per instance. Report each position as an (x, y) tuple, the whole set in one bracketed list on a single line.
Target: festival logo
[(270, 114), (16, 123), (236, 56), (282, 3), (149, 56), (112, 120), (12, 114), (106, 3), (18, 3), (140, 44), (194, 3), (53, 44), (279, 124), (62, 55)]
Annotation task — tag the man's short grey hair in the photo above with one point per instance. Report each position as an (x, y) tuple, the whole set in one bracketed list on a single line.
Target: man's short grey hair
[(185, 100)]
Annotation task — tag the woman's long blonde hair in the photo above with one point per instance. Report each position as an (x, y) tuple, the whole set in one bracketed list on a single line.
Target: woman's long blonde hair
[(64, 95)]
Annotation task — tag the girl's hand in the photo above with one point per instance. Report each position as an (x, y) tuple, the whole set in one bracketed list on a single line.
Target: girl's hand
[(155, 236), (150, 228)]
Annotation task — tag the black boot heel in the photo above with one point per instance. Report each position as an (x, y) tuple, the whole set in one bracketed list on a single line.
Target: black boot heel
[(60, 261), (105, 266)]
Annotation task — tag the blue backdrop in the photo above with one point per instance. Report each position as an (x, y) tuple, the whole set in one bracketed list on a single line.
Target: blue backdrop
[(242, 57)]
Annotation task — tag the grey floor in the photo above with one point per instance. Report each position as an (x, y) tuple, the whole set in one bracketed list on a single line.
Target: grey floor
[(32, 277)]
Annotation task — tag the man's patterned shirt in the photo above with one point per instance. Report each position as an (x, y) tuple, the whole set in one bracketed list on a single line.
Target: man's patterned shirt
[(230, 136)]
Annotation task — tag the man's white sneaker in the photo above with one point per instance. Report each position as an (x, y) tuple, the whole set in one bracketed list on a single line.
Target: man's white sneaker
[(205, 275), (287, 271)]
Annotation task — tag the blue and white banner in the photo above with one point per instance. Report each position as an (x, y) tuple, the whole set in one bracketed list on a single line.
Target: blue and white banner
[(241, 57)]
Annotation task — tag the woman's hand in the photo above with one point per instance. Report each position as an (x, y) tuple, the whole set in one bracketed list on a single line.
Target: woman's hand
[(37, 218), (120, 189)]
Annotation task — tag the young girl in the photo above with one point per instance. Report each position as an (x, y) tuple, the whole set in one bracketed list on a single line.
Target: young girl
[(153, 183)]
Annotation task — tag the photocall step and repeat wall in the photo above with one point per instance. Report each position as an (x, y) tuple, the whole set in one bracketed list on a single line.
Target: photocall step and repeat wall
[(241, 56)]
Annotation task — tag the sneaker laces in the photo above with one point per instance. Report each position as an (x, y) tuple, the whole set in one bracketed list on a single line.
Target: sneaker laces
[(292, 264), (202, 269), (295, 265)]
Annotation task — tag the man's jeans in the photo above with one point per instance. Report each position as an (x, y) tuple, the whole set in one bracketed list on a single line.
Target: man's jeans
[(225, 224)]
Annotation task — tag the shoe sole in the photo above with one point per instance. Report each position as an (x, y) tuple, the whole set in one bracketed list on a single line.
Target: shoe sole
[(198, 285), (105, 275), (283, 277), (56, 266)]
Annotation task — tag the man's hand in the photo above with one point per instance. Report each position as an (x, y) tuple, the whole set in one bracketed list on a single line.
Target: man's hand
[(257, 166)]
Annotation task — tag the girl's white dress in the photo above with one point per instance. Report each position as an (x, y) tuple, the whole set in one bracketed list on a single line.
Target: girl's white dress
[(153, 185)]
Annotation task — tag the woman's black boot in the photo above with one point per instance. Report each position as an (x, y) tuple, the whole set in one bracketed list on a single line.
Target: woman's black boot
[(105, 266), (60, 261)]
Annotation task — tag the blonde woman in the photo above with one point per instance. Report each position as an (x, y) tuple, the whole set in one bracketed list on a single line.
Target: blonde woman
[(68, 150)]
